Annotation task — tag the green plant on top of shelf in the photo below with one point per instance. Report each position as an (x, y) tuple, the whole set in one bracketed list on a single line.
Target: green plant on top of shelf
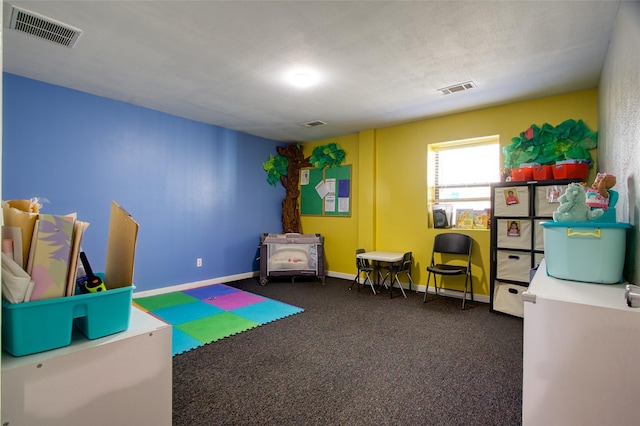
[(547, 144)]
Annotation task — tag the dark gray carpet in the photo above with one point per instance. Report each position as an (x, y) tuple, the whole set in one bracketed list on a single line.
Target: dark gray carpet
[(355, 358)]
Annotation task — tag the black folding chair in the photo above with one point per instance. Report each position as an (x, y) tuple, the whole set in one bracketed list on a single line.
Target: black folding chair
[(451, 244), (395, 269), (363, 265)]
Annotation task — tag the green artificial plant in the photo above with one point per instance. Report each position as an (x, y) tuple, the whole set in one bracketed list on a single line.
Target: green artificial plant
[(547, 144)]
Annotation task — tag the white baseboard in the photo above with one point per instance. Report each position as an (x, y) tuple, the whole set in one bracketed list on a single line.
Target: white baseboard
[(341, 275), (196, 284), (419, 288), (454, 293)]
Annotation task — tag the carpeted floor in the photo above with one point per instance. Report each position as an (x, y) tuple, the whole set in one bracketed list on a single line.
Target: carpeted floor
[(355, 358), (207, 314)]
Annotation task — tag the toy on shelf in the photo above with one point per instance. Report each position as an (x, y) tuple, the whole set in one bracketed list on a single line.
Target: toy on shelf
[(601, 196), (573, 206)]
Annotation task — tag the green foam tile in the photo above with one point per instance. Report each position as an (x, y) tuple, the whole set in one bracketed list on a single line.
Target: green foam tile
[(216, 327), (164, 300)]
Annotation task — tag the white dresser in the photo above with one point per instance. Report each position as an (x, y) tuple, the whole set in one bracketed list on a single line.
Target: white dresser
[(122, 379), (581, 348)]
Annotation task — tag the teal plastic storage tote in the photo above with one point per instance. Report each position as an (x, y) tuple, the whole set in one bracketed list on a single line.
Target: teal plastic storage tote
[(43, 325), (585, 251)]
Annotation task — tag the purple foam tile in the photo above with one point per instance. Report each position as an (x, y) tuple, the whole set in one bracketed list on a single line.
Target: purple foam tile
[(235, 300), (214, 290)]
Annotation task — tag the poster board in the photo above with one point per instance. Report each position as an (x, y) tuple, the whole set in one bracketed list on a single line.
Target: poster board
[(326, 192)]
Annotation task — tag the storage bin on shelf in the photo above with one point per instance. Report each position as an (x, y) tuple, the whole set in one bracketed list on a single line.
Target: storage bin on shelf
[(42, 325), (46, 324), (543, 173), (570, 170), (508, 298), (524, 172), (585, 251)]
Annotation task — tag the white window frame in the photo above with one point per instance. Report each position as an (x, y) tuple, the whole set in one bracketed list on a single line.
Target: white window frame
[(433, 195)]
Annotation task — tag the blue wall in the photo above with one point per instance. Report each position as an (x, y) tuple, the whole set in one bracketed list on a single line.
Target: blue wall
[(196, 190)]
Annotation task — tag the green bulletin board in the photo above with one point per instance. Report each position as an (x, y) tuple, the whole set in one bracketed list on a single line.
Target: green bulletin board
[(326, 192)]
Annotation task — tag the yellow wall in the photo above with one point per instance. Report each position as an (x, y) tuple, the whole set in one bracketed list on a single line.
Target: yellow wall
[(389, 181)]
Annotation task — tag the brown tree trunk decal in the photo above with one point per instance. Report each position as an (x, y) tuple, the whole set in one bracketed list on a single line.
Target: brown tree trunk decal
[(290, 207)]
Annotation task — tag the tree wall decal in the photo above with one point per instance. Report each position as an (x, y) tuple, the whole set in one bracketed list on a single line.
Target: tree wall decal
[(286, 166)]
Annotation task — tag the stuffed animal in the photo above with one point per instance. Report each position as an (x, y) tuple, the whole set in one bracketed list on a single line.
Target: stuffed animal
[(598, 194), (573, 206)]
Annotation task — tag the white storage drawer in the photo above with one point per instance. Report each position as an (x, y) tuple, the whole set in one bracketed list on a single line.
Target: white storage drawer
[(513, 265), (508, 298), (519, 239), (503, 207), (547, 199)]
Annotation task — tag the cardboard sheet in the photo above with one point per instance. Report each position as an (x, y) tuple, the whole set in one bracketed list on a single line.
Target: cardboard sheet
[(26, 221), (121, 247)]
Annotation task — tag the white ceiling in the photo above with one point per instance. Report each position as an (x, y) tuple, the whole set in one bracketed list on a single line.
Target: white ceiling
[(380, 62)]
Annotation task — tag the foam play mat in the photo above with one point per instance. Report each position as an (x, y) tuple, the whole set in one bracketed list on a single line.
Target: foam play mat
[(206, 314)]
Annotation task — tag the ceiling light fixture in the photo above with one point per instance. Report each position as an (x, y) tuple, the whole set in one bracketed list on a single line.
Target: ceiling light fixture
[(303, 78)]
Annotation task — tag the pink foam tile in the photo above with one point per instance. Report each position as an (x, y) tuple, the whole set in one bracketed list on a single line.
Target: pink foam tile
[(235, 300)]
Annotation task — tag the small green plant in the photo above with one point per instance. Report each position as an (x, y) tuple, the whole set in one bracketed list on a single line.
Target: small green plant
[(547, 144)]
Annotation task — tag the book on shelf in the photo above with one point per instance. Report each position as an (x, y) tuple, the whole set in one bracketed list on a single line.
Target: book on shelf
[(464, 218), (481, 219)]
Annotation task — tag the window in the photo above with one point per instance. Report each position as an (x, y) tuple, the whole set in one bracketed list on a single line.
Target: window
[(460, 173)]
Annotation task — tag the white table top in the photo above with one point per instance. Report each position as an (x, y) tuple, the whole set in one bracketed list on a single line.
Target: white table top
[(603, 295), (382, 256)]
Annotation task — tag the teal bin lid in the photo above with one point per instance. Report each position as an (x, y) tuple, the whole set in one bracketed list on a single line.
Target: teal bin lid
[(552, 224)]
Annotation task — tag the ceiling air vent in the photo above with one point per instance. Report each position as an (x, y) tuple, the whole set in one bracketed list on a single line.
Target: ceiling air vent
[(313, 123), (457, 88), (43, 27)]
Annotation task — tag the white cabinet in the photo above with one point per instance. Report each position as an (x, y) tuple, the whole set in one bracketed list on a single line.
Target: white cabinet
[(517, 243), (581, 343), (122, 379)]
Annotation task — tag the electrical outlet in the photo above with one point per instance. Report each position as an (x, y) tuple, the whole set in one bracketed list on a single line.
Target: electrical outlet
[(199, 262)]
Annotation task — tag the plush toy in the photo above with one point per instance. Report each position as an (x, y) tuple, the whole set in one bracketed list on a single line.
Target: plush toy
[(573, 206), (598, 194)]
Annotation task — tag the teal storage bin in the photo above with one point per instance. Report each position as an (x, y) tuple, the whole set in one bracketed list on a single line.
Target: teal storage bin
[(42, 325), (585, 251)]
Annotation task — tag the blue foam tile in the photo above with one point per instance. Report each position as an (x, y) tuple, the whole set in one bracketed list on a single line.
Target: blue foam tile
[(182, 342), (267, 311), (209, 291), (186, 312)]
